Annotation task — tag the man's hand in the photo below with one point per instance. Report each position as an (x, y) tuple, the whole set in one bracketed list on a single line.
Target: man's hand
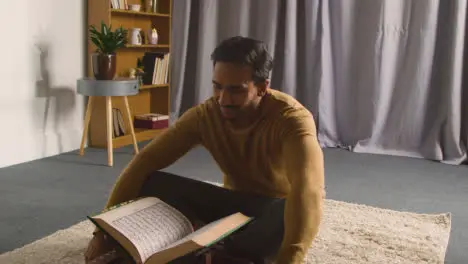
[(99, 245)]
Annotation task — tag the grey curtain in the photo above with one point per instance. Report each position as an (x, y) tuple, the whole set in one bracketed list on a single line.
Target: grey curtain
[(379, 76)]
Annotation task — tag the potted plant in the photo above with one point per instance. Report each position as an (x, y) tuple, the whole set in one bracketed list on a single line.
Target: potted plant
[(104, 59)]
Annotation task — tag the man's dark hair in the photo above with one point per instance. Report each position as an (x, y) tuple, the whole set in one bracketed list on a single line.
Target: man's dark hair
[(245, 51)]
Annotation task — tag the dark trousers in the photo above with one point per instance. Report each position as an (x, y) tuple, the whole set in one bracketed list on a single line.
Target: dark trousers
[(205, 202)]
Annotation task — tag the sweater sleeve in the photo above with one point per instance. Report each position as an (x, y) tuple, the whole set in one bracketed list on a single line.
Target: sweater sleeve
[(162, 151), (304, 164)]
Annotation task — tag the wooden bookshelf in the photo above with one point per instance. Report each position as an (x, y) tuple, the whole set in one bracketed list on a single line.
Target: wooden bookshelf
[(152, 98)]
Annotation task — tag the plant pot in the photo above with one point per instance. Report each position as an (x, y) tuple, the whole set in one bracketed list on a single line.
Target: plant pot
[(104, 66)]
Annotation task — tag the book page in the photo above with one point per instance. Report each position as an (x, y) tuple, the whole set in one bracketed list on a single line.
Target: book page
[(152, 227), (225, 225), (203, 237), (192, 235)]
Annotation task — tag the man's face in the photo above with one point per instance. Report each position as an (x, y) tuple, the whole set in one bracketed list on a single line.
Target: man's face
[(236, 93)]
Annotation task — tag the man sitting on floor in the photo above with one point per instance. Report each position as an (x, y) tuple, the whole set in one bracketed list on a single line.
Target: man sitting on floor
[(265, 143)]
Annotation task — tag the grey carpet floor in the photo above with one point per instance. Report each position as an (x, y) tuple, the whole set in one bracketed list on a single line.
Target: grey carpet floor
[(38, 198)]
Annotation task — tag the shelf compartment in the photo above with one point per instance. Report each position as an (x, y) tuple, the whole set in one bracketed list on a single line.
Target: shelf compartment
[(125, 140), (160, 46), (141, 135), (138, 13)]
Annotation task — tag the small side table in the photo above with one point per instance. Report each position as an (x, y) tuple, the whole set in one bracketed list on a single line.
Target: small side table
[(108, 88)]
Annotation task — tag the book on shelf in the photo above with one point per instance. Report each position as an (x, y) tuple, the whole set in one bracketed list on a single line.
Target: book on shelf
[(151, 121), (152, 231), (154, 5), (156, 67), (119, 4), (118, 123)]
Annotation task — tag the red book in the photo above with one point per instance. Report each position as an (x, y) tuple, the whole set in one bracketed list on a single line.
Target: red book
[(151, 124)]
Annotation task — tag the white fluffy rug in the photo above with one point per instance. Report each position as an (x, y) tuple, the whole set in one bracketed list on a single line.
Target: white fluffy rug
[(349, 234)]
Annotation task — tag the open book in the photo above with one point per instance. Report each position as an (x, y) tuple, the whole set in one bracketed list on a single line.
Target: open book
[(152, 231)]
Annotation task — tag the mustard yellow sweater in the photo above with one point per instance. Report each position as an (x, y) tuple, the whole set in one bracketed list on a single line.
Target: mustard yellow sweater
[(277, 156)]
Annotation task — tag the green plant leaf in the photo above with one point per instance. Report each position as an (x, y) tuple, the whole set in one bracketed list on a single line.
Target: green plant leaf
[(93, 29), (103, 28), (108, 41), (97, 43), (94, 33)]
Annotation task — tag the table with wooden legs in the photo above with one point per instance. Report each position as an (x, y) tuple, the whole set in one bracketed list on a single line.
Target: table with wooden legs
[(107, 88)]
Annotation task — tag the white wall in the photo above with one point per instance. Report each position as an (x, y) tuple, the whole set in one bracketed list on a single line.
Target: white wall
[(40, 112)]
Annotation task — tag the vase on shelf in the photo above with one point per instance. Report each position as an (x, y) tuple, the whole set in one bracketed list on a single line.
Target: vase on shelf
[(149, 6), (104, 66), (135, 36), (153, 37), (135, 7)]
